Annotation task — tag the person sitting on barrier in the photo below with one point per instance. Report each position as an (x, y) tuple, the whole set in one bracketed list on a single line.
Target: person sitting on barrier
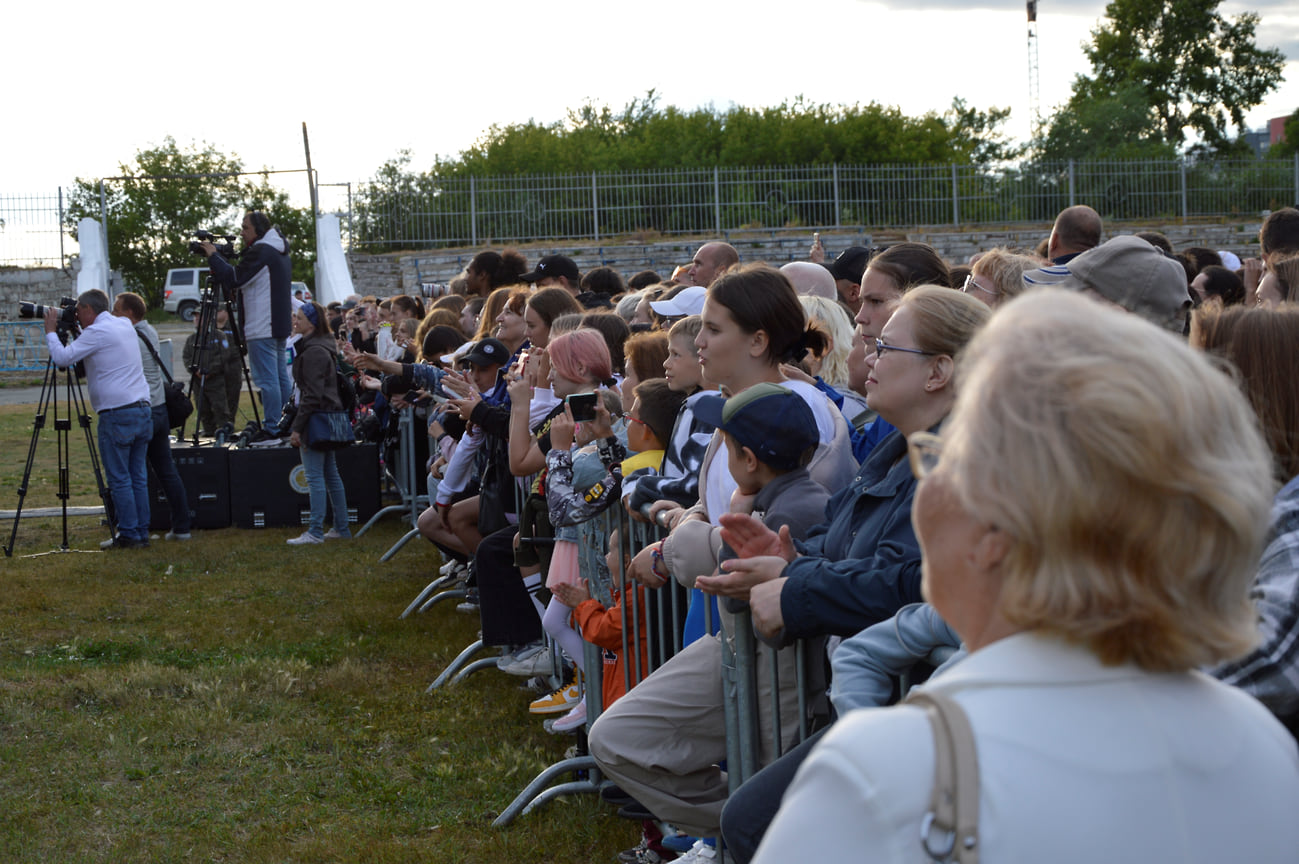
[(770, 435), (678, 481), (752, 322), (579, 365), (579, 487), (1087, 604), (479, 461)]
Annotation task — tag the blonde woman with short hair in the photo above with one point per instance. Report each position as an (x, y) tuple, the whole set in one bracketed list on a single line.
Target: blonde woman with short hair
[(1090, 520)]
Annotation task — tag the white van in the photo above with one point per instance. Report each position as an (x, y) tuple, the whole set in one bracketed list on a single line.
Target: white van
[(182, 291)]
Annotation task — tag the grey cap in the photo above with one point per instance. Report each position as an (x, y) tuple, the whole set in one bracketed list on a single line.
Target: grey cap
[(1130, 273)]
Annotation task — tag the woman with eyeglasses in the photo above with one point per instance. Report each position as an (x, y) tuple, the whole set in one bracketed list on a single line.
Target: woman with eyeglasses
[(998, 276), (1091, 517)]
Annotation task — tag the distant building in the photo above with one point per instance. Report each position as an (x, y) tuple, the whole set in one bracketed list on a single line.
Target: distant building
[(1276, 130), (1258, 141)]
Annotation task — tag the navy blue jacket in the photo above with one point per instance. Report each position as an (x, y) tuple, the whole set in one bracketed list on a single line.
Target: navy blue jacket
[(863, 564), (265, 274)]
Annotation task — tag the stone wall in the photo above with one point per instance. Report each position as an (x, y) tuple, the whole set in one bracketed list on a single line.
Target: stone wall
[(40, 285), (385, 275)]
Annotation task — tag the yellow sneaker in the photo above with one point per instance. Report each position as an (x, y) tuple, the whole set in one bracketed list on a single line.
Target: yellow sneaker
[(562, 700)]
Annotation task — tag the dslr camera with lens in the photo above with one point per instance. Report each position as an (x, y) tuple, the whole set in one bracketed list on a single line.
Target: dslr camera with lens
[(68, 323)]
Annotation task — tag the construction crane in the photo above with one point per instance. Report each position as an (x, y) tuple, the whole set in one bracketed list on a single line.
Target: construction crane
[(1034, 101)]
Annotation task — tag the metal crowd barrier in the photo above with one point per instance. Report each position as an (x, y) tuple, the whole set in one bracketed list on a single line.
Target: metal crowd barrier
[(658, 620), (22, 346), (409, 480), (462, 667)]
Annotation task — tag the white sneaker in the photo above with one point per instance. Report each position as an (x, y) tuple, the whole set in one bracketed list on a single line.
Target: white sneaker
[(573, 720), (306, 539), (172, 535), (700, 853), (332, 534)]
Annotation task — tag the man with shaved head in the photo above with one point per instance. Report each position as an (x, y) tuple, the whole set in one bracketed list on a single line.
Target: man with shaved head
[(711, 261), (1076, 230)]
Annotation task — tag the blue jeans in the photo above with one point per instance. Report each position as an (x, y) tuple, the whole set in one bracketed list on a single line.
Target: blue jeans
[(270, 372), (123, 446), (323, 482), (159, 453)]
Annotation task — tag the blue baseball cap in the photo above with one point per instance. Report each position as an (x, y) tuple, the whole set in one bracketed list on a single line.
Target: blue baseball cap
[(772, 421)]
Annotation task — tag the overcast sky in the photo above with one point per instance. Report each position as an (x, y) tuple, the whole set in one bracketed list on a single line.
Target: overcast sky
[(90, 83)]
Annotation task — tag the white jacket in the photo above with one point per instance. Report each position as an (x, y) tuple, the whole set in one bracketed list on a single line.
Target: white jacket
[(1078, 762)]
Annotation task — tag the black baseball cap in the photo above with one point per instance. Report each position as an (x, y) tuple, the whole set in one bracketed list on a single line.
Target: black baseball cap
[(554, 266)]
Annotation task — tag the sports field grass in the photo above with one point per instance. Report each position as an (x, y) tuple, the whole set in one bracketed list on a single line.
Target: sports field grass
[(235, 699)]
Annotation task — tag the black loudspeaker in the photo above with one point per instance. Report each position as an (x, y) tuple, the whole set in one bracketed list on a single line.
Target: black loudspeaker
[(205, 471), (268, 487)]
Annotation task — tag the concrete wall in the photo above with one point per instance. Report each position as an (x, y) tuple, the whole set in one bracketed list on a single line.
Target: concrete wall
[(40, 285)]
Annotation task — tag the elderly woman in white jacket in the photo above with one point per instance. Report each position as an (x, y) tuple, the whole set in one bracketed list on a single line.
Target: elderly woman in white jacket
[(1090, 521)]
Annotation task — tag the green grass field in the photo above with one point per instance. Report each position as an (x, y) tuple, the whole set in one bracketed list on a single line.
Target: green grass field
[(236, 699)]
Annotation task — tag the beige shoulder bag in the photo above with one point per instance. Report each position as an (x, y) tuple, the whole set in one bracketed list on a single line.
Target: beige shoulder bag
[(950, 830)]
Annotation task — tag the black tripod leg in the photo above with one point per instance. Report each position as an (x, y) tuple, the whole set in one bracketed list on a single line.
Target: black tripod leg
[(236, 330), (48, 385)]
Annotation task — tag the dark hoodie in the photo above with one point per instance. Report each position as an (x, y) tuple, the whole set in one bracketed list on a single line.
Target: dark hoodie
[(264, 277)]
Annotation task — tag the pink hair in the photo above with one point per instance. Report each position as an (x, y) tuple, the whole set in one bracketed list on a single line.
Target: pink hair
[(581, 355)]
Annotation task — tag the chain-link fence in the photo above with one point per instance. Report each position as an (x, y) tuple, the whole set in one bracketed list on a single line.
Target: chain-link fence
[(32, 233)]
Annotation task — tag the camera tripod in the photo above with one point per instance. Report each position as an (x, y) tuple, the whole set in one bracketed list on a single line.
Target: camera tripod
[(76, 404), (204, 343)]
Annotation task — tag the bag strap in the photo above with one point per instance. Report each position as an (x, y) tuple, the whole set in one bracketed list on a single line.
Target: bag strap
[(156, 359), (950, 830)]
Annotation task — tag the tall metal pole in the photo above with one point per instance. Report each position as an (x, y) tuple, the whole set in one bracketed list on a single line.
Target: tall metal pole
[(311, 177)]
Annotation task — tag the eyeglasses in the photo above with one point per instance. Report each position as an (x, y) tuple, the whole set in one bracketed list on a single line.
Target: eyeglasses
[(631, 419), (924, 449), (971, 285), (881, 347)]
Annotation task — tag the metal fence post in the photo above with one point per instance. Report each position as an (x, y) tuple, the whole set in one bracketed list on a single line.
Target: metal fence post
[(62, 258), (595, 209), (835, 166), (1296, 178), (717, 201), (473, 214), (1181, 164), (1072, 199), (956, 200)]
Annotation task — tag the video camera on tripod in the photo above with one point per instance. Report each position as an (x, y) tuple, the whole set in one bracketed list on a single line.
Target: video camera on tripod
[(226, 250)]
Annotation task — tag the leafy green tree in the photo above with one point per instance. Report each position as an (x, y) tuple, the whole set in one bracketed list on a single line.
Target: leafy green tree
[(644, 136), (1161, 68), (170, 193)]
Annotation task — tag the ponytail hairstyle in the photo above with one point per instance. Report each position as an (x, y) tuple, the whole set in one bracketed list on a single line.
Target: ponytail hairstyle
[(500, 268), (759, 297), (581, 356)]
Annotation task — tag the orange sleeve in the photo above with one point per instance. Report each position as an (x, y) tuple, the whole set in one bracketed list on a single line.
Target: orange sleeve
[(601, 627)]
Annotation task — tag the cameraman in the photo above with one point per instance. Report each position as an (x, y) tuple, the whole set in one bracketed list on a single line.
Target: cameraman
[(119, 394), (263, 279)]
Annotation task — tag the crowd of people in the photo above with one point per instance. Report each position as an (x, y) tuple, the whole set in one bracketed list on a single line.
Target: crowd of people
[(1072, 470), (1061, 465)]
